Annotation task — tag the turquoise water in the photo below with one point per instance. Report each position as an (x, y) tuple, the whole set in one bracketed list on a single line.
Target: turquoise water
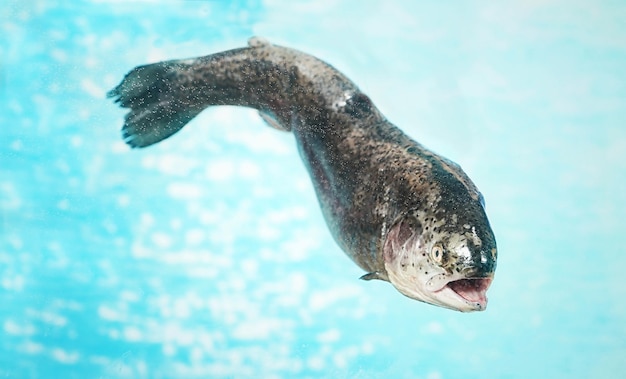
[(206, 256)]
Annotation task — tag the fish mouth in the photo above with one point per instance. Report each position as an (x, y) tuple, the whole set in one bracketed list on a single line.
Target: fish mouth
[(473, 291)]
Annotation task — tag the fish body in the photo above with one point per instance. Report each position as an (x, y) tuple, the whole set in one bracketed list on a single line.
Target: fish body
[(401, 212)]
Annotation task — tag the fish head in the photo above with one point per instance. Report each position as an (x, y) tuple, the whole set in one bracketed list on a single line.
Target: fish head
[(450, 266)]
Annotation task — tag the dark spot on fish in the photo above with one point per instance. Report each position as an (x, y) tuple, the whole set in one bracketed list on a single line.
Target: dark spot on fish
[(358, 105)]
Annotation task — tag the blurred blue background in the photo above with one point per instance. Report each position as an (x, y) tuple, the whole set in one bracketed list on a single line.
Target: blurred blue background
[(206, 256)]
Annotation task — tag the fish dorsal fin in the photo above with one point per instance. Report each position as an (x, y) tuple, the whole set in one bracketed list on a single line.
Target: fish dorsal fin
[(258, 42), (271, 121)]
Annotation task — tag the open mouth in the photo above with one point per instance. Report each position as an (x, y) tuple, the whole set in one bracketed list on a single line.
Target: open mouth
[(473, 290)]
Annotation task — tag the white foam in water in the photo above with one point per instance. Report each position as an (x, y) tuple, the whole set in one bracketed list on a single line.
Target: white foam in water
[(64, 356), (110, 314), (181, 190), (12, 327)]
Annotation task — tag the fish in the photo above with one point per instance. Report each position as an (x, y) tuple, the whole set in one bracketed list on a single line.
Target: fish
[(401, 212)]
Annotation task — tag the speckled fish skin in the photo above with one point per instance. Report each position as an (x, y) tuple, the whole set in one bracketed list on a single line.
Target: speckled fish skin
[(401, 212)]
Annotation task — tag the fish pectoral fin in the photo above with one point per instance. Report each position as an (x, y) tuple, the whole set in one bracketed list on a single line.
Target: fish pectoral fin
[(374, 275), (271, 121)]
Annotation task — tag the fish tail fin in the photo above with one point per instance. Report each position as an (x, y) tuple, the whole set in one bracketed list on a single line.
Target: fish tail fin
[(163, 97), (159, 105)]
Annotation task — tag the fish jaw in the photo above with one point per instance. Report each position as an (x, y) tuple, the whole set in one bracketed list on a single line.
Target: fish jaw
[(429, 273), (456, 293), (469, 294)]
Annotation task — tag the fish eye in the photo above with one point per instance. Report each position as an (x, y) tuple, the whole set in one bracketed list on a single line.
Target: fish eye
[(436, 253)]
